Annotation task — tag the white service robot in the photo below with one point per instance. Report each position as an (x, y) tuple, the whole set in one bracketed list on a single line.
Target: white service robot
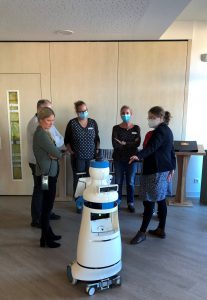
[(98, 260)]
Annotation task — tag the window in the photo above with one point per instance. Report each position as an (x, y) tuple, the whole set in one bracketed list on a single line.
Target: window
[(14, 126)]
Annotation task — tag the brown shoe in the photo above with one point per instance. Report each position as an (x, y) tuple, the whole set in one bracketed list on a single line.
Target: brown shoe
[(139, 237), (158, 233)]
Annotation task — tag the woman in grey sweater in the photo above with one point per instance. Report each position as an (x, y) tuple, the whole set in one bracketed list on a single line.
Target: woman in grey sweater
[(47, 168)]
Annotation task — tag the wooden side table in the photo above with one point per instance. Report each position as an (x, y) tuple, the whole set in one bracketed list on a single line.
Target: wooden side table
[(182, 165)]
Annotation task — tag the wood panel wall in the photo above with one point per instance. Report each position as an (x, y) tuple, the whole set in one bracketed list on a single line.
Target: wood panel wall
[(86, 71), (153, 73), (106, 75)]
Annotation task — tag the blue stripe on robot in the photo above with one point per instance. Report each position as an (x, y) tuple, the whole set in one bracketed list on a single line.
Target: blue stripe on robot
[(95, 205)]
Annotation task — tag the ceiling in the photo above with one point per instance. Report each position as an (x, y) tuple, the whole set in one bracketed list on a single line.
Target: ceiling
[(43, 20)]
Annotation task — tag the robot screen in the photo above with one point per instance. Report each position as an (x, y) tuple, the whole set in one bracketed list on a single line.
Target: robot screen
[(99, 216)]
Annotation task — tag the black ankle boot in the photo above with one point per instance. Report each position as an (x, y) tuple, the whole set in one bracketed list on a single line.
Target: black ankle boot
[(131, 207), (53, 236), (158, 233), (138, 238), (48, 243)]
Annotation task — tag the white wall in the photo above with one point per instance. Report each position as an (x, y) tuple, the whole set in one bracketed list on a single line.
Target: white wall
[(197, 95)]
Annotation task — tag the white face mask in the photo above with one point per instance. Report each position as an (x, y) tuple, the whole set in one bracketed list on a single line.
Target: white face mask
[(153, 123)]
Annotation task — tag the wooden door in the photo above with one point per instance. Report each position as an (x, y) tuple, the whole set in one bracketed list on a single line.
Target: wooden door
[(18, 97)]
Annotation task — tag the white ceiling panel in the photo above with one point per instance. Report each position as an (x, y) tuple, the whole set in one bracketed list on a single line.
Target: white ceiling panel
[(41, 20)]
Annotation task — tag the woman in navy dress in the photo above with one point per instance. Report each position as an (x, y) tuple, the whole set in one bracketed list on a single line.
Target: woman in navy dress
[(158, 167)]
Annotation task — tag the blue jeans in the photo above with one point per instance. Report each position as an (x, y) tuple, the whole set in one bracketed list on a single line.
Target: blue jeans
[(121, 169)]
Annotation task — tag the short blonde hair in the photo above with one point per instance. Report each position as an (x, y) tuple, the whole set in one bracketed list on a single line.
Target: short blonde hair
[(44, 113), (125, 107)]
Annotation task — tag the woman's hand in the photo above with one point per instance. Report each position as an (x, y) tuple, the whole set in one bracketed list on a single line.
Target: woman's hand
[(52, 157), (133, 158), (170, 175), (120, 142), (69, 149), (63, 151)]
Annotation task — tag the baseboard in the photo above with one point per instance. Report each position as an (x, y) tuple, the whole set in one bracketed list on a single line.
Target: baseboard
[(193, 195)]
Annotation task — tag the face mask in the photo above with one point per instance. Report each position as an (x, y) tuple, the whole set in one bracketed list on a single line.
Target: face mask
[(153, 123), (126, 118), (83, 115)]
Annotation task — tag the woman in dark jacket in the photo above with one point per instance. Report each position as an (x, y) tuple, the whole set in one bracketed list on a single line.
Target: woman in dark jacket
[(47, 155), (158, 166), (125, 140)]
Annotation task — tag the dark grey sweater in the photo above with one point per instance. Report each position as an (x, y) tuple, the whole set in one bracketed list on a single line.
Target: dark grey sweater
[(43, 147)]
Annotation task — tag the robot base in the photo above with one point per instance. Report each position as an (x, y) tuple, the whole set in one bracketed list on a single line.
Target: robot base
[(99, 282), (103, 284)]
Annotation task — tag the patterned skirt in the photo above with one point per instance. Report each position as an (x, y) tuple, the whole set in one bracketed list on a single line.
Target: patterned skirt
[(153, 187)]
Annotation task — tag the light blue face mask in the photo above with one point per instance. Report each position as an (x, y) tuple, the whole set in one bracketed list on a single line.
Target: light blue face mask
[(83, 115), (126, 118)]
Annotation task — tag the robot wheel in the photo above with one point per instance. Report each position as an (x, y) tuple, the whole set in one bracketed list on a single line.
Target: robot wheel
[(69, 273), (90, 290), (70, 277)]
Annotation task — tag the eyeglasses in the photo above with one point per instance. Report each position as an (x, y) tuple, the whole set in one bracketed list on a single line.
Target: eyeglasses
[(152, 118), (82, 111)]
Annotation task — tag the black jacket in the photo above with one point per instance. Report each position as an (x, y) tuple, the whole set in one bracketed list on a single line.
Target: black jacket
[(132, 139), (159, 155)]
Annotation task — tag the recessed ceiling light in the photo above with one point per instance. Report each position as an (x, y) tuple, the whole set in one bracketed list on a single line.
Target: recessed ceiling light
[(66, 32)]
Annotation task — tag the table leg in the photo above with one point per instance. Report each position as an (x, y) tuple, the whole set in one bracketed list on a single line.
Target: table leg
[(180, 199)]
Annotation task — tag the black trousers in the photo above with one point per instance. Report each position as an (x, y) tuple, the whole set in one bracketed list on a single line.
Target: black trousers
[(79, 166), (37, 197), (148, 212), (47, 204), (36, 204)]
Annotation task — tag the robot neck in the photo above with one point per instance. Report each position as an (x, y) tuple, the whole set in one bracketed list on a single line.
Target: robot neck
[(98, 182)]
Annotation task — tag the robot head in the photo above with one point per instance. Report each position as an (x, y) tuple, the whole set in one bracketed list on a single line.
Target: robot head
[(99, 169)]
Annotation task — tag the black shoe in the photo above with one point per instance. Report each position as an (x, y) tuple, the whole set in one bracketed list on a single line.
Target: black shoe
[(131, 207), (139, 237), (53, 216), (35, 224), (50, 244), (56, 237), (78, 210), (53, 236), (158, 233)]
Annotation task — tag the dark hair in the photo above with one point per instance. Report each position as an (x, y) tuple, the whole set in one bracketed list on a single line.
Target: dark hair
[(44, 113), (78, 103), (167, 117), (42, 102), (158, 111)]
